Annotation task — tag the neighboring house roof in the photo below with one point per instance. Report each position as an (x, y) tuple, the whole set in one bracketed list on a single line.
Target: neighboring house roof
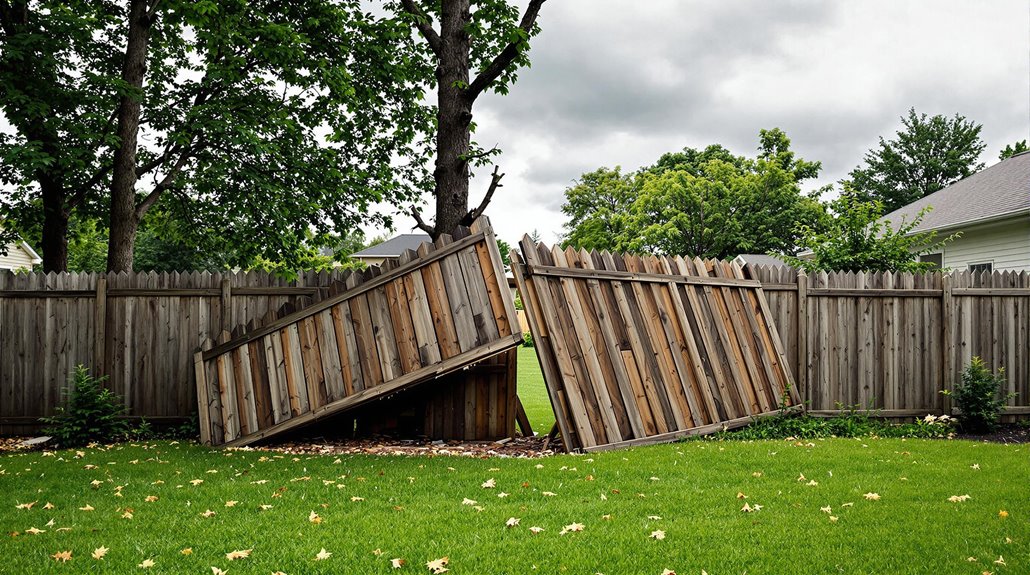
[(393, 247), (996, 192), (759, 260)]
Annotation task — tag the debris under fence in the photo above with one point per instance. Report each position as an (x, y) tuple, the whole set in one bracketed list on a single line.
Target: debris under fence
[(416, 319), (640, 349)]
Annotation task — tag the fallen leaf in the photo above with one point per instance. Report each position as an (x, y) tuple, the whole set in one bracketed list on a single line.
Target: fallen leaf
[(241, 554), (826, 509), (746, 508), (502, 494), (1000, 561), (86, 507), (207, 513), (671, 572), (187, 551), (658, 534), (468, 501), (34, 531), (535, 529), (196, 482), (549, 494), (150, 498), (127, 515), (812, 483), (356, 498), (512, 522), (1003, 514), (231, 503), (740, 495), (959, 498), (217, 571), (264, 507), (323, 555), (437, 565), (571, 528), (25, 506), (377, 552), (489, 484), (314, 518), (872, 496), (756, 474), (146, 564), (48, 505), (833, 519), (397, 563), (99, 552), (655, 517), (62, 556)]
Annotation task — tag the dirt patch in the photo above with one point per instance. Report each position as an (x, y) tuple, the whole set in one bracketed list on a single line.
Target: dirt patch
[(1004, 434), (519, 447)]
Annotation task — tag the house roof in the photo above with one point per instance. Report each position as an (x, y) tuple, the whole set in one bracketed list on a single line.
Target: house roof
[(993, 193), (393, 247), (759, 260)]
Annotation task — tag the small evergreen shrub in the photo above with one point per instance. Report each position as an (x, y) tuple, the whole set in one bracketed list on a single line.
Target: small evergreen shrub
[(90, 413), (979, 398), (527, 339)]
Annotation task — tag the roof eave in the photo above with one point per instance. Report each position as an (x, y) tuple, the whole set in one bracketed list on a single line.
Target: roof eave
[(974, 222)]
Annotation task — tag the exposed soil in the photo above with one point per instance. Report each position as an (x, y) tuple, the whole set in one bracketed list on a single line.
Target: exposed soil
[(520, 447), (1005, 434)]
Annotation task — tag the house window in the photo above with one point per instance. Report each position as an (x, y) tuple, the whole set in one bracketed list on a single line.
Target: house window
[(936, 259), (981, 267)]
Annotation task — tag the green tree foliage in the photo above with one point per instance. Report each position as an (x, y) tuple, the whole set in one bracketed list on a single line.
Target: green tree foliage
[(979, 397), (266, 125), (90, 412), (857, 238), (925, 156), (1013, 149), (708, 203)]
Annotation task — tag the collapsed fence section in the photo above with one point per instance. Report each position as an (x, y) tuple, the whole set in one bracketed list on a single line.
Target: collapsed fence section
[(892, 342), (637, 350), (416, 318)]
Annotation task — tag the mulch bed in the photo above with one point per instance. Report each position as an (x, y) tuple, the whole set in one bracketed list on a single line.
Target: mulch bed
[(1005, 434)]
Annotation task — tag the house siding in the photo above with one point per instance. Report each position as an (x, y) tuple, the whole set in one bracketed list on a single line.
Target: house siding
[(16, 258), (1004, 244)]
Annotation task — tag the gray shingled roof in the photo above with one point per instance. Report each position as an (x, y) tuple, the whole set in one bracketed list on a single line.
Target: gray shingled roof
[(761, 260), (393, 247), (1001, 189)]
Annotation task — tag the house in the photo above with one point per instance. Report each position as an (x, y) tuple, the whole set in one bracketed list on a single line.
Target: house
[(20, 255), (990, 208), (391, 248), (743, 260)]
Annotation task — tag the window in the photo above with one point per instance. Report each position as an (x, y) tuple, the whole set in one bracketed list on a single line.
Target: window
[(936, 259), (982, 267)]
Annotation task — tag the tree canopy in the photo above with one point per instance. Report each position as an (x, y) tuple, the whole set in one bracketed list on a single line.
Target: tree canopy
[(928, 154), (265, 124), (707, 203), (1012, 149), (857, 238)]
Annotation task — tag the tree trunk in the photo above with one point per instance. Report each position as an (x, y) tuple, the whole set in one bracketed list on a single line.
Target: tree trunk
[(454, 118), (124, 217), (55, 226)]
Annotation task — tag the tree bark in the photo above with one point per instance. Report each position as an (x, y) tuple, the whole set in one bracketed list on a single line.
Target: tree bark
[(454, 118), (124, 216), (55, 226)]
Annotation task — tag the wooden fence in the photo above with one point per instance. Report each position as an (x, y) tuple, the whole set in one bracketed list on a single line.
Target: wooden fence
[(893, 342), (415, 318), (641, 349)]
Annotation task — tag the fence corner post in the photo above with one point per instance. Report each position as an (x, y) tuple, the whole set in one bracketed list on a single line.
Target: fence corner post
[(802, 319), (100, 328), (948, 344)]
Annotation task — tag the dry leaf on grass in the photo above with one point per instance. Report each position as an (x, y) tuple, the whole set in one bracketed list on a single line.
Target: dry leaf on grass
[(217, 571), (489, 484), (314, 518), (397, 563), (323, 555), (86, 507), (240, 554), (467, 501), (573, 527), (959, 498), (535, 529), (512, 522), (872, 496), (146, 564), (657, 534), (99, 552), (438, 565), (187, 551), (62, 556)]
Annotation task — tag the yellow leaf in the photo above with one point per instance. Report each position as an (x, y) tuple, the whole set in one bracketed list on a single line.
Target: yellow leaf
[(438, 565), (356, 498), (240, 554), (1003, 514), (549, 494), (217, 571), (99, 552), (86, 507), (207, 513), (833, 519), (127, 515), (48, 505), (265, 507), (489, 484), (323, 555), (35, 531), (187, 551), (150, 498), (25, 506), (512, 522), (231, 503), (740, 495), (826, 509), (571, 528), (196, 482), (1000, 561), (314, 518), (146, 564), (377, 552), (62, 556), (658, 534), (535, 529), (872, 496), (467, 501), (670, 572), (397, 563), (959, 498)]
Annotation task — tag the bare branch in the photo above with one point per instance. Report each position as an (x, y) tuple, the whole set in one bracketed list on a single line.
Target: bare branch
[(165, 182), (507, 55), (152, 10), (495, 182), (424, 25), (420, 223)]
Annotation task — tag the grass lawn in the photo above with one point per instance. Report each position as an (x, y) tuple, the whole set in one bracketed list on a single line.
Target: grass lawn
[(533, 393), (373, 509)]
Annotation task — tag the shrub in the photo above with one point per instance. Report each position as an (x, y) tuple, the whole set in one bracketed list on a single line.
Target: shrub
[(978, 397), (90, 413), (527, 339)]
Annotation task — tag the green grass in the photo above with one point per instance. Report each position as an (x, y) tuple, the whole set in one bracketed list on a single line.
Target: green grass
[(412, 509), (533, 393)]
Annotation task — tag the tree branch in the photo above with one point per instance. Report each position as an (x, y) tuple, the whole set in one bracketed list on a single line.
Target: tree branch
[(507, 55), (472, 216), (424, 25), (165, 182), (420, 223)]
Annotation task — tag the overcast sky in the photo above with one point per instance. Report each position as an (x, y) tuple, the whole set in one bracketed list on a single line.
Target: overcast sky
[(619, 82)]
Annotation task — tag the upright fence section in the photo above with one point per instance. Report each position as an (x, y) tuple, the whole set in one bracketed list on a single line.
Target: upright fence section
[(892, 342)]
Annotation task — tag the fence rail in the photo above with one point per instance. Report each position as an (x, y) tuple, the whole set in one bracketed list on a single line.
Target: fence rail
[(893, 342)]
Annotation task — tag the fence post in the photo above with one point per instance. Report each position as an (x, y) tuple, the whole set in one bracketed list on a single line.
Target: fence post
[(948, 347), (100, 328), (802, 319), (226, 305)]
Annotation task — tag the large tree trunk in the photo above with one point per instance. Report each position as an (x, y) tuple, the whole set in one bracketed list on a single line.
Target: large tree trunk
[(454, 118), (124, 217), (55, 226)]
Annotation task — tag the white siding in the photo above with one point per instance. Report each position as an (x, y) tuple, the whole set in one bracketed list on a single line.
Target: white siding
[(16, 258), (1006, 245)]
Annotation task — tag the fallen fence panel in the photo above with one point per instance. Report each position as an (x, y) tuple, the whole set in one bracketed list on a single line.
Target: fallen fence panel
[(642, 349), (417, 318)]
